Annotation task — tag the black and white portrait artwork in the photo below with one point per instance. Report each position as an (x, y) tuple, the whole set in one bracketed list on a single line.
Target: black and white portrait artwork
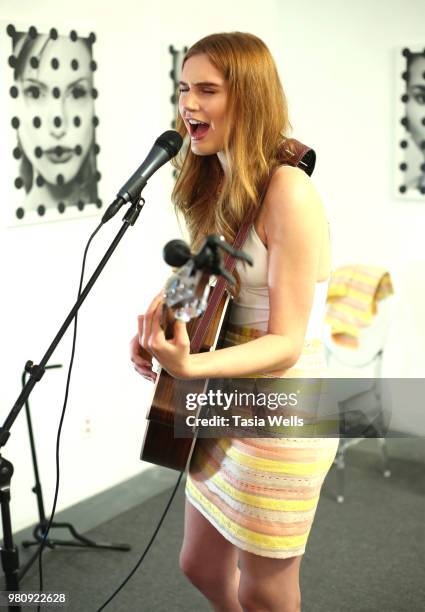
[(410, 158), (52, 124), (177, 56)]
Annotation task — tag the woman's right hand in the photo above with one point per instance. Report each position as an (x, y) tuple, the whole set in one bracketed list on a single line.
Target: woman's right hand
[(140, 357)]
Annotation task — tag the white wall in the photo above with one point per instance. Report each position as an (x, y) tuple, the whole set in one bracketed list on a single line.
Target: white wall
[(336, 62)]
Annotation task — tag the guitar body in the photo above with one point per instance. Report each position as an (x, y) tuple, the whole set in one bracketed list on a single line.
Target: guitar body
[(169, 402)]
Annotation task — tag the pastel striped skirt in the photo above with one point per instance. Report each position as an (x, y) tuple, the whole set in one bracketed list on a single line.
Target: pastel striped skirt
[(261, 494)]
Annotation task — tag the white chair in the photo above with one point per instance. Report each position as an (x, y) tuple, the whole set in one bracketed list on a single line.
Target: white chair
[(363, 362)]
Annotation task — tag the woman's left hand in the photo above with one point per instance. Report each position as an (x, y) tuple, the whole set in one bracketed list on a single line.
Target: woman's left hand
[(174, 354)]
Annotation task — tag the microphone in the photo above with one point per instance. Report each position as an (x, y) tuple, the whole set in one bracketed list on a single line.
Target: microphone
[(166, 147), (176, 253)]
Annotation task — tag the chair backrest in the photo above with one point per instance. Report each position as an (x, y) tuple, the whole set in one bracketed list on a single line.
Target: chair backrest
[(371, 342)]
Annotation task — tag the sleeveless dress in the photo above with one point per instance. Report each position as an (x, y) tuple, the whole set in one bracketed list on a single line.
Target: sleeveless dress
[(261, 494)]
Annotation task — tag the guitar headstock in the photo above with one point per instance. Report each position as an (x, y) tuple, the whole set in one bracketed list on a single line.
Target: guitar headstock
[(186, 292)]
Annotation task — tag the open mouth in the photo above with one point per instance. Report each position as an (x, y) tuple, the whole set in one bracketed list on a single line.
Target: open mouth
[(197, 129)]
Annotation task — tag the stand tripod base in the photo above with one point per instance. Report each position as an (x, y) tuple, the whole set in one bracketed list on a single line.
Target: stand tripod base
[(40, 529), (80, 541)]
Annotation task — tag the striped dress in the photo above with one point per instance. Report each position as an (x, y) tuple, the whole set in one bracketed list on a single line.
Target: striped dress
[(261, 494)]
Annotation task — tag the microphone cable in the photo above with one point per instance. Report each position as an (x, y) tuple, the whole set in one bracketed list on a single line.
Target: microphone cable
[(71, 362), (145, 552)]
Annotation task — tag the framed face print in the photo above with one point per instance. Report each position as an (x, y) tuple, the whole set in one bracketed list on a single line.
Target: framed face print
[(177, 56), (410, 157), (49, 122)]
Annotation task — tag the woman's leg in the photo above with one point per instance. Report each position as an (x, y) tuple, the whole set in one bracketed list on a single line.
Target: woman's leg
[(269, 585), (210, 561)]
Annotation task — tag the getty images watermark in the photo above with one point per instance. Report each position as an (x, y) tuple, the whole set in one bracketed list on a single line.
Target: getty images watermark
[(252, 407), (228, 402), (298, 407)]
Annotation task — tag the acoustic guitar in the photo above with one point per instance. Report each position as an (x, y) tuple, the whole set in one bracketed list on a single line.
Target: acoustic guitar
[(186, 297)]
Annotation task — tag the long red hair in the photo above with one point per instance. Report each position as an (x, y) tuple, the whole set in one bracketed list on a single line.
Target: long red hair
[(256, 140)]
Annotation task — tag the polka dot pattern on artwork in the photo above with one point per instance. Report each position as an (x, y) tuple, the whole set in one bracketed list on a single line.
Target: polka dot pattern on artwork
[(40, 118), (11, 30)]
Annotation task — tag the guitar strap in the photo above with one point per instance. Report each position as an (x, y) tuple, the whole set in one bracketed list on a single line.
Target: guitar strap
[(300, 155)]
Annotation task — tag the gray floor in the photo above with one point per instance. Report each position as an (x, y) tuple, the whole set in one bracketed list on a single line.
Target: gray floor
[(364, 555)]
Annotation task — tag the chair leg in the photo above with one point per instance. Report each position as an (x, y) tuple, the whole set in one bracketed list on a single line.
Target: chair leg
[(384, 457), (340, 465), (381, 431)]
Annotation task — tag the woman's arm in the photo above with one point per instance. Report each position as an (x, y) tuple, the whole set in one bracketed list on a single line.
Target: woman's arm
[(265, 354), (292, 220)]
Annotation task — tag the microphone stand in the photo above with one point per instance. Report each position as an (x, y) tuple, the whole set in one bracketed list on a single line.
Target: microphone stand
[(9, 553), (40, 529)]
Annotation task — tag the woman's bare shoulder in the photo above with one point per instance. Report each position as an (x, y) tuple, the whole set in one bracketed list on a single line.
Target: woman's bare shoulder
[(289, 188), (288, 178)]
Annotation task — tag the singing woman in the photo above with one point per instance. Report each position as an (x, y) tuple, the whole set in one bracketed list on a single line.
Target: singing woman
[(250, 502)]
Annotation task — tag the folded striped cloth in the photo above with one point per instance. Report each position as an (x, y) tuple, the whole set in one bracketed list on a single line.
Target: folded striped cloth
[(353, 293)]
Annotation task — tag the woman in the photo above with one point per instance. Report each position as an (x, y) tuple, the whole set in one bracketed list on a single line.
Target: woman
[(54, 121), (250, 502)]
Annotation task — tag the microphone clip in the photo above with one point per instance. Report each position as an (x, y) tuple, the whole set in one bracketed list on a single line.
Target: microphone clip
[(133, 212), (210, 260)]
